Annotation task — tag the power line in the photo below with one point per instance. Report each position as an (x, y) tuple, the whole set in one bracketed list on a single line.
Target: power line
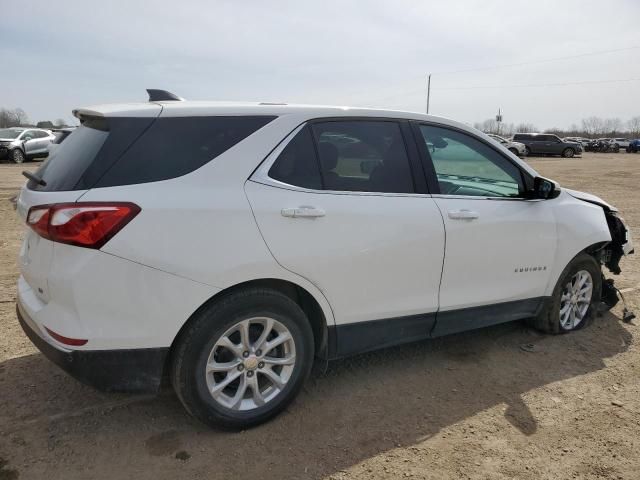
[(546, 60), (564, 84)]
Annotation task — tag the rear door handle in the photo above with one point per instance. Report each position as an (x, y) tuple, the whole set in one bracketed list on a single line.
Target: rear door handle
[(302, 212), (463, 214)]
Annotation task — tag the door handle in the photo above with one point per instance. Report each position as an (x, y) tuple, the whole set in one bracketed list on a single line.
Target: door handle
[(304, 212), (463, 214)]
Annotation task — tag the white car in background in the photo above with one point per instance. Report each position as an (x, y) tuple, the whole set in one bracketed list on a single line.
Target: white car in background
[(228, 245), (516, 148), (622, 143), (20, 144)]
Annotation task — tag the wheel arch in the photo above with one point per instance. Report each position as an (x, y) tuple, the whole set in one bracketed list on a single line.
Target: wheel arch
[(309, 304), (591, 250)]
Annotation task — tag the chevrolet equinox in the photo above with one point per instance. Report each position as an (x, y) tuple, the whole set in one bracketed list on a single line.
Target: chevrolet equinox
[(226, 246)]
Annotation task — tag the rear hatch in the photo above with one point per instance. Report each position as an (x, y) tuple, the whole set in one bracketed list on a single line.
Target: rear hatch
[(71, 169)]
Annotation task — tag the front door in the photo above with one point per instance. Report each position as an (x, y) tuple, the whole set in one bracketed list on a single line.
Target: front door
[(499, 245), (339, 206)]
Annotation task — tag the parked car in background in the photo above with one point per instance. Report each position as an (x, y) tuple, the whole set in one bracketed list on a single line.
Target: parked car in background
[(581, 140), (634, 146), (516, 148), (547, 144), (20, 144), (620, 142), (271, 250)]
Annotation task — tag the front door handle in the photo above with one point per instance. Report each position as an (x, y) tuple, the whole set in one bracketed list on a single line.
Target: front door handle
[(463, 214), (302, 212)]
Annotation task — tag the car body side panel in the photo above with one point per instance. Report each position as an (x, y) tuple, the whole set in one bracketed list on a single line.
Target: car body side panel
[(580, 225), (111, 302)]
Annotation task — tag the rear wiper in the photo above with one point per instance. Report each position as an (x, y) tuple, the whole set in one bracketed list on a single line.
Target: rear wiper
[(34, 178)]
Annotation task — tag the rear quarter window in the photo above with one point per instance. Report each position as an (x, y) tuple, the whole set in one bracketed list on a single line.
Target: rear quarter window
[(175, 146), (106, 152)]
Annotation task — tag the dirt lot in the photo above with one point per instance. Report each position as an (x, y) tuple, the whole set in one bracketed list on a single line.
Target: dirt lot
[(475, 405)]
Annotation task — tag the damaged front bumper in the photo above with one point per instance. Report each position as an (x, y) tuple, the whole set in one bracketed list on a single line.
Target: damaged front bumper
[(620, 245)]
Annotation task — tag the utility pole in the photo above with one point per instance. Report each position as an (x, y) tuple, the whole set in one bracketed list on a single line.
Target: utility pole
[(499, 119), (428, 91)]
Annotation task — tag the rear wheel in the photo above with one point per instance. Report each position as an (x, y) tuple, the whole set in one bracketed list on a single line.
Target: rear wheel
[(574, 298), (243, 359), (527, 150), (568, 152), (17, 156)]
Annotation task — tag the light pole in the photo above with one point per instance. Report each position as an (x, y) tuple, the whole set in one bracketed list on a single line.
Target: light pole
[(428, 91)]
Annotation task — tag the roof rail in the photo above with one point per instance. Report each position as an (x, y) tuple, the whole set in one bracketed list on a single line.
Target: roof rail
[(156, 95)]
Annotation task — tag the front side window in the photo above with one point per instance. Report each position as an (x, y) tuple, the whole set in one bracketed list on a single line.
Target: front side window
[(467, 166)]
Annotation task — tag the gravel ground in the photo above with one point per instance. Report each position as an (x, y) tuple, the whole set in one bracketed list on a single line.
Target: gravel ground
[(475, 405)]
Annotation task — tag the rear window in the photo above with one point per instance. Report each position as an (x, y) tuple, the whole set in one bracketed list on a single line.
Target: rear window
[(123, 151)]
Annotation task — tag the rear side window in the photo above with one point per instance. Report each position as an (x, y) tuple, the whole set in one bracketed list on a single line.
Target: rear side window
[(175, 146), (106, 152), (353, 156)]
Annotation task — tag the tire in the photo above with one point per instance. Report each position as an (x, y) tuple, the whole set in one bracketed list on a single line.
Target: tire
[(18, 156), (514, 151), (550, 319), (527, 151), (203, 341), (615, 148), (568, 152)]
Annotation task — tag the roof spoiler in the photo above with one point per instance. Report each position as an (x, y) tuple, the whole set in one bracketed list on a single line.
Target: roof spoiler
[(156, 95)]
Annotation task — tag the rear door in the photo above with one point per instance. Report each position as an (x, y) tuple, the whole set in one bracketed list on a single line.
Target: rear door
[(500, 246), (343, 204)]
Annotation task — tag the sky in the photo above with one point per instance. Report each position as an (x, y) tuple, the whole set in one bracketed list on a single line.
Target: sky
[(483, 55)]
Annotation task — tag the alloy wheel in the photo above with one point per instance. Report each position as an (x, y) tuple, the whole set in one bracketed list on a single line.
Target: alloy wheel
[(575, 300), (250, 364), (17, 156)]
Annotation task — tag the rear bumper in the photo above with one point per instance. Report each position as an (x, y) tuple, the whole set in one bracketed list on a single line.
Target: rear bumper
[(129, 370)]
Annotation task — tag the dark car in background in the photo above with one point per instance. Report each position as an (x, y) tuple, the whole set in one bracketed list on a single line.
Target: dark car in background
[(547, 144), (634, 146)]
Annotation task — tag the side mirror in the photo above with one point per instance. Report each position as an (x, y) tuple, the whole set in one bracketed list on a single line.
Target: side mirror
[(545, 189), (26, 139)]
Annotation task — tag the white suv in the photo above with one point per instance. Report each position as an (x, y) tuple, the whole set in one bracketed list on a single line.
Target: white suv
[(228, 245)]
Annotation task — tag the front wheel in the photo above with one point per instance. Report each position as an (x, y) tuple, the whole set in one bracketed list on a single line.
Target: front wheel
[(574, 299), (514, 151), (568, 152), (243, 359), (527, 151), (17, 156)]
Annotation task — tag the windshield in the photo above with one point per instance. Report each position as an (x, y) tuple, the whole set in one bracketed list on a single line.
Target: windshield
[(10, 132)]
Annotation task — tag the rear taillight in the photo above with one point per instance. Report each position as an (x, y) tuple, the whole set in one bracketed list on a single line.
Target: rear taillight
[(84, 224)]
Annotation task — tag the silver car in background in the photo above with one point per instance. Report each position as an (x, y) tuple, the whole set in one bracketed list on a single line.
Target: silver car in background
[(516, 148), (20, 144)]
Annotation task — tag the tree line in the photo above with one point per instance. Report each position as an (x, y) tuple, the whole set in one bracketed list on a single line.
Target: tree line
[(591, 127), (17, 117)]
